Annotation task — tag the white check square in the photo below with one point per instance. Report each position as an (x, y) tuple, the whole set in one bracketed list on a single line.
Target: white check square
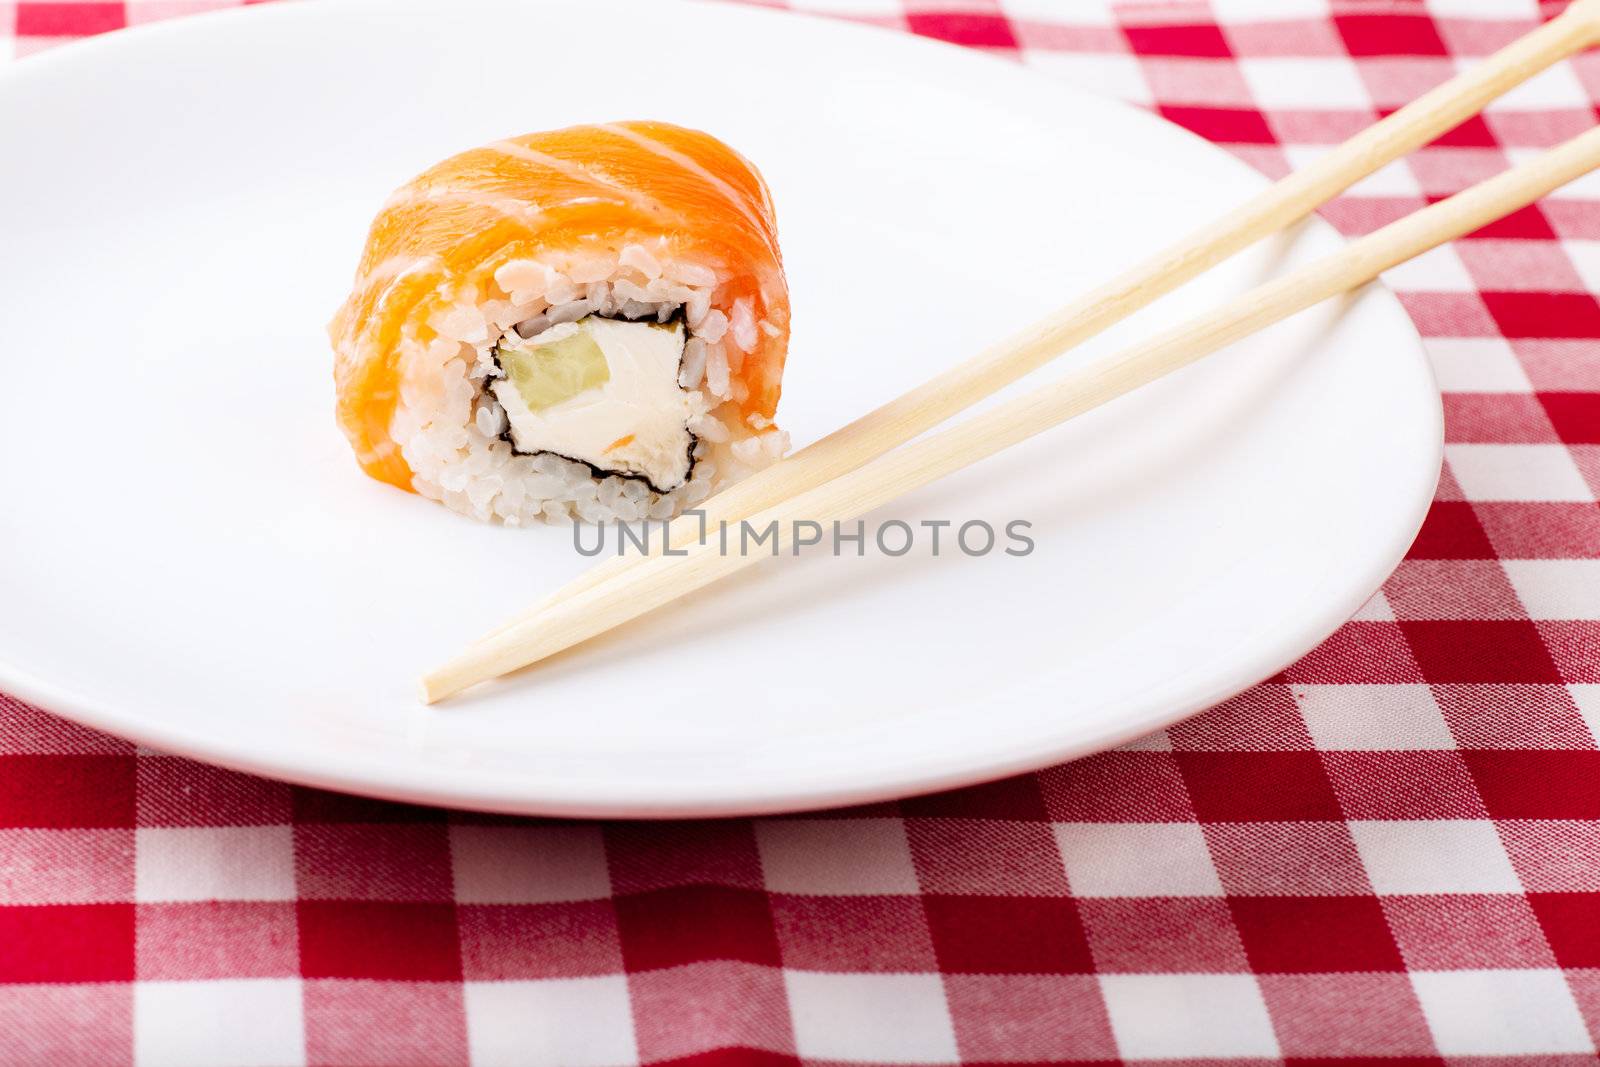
[(1302, 83), (1587, 697), (836, 857), (1553, 89), (1225, 11), (528, 864), (1155, 741), (1373, 718), (214, 863), (1078, 13), (1376, 609), (1583, 187), (1585, 255), (1434, 856), (1188, 1016), (870, 1018), (238, 1022), (1517, 472), (1114, 75), (1486, 1013), (851, 8), (576, 1022), (1476, 365), (1137, 860), (1473, 9), (1557, 588), (1438, 270), (1391, 180)]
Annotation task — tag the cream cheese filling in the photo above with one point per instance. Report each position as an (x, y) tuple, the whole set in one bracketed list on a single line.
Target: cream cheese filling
[(604, 392)]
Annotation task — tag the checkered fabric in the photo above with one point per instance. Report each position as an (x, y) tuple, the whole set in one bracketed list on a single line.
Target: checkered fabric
[(1390, 850)]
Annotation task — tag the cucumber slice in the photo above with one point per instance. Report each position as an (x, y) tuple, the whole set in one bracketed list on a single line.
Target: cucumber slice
[(556, 371)]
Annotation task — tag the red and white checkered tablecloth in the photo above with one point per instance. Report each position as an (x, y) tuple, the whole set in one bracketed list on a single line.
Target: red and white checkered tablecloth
[(1391, 850)]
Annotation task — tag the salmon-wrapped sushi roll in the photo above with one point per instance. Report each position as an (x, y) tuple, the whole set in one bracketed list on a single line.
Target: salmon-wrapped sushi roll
[(586, 324)]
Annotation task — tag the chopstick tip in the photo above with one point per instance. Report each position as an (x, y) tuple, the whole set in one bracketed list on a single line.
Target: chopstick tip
[(434, 687)]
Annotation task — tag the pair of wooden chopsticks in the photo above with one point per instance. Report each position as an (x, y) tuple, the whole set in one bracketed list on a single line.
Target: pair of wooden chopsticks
[(856, 468)]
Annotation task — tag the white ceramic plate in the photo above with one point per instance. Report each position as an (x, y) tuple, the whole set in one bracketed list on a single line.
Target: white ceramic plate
[(192, 559)]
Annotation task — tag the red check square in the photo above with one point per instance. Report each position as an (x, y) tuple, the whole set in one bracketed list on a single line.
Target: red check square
[(729, 1056), (320, 805), (1473, 133), (1226, 125), (1451, 531), (67, 791), (181, 792), (1571, 923), (1576, 416), (1462, 650), (67, 943), (373, 862), (1308, 935), (1537, 785), (1524, 224), (661, 855), (1007, 935), (379, 940), (1010, 798), (1390, 35), (1258, 786), (980, 30), (1167, 40), (687, 924), (1544, 314), (68, 20)]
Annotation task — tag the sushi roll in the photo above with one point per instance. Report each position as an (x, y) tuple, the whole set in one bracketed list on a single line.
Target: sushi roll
[(584, 324)]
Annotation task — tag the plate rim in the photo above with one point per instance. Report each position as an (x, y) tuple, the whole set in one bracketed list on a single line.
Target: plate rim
[(494, 789)]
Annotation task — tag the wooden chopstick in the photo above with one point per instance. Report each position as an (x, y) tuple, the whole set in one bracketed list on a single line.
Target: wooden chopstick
[(661, 579), (1280, 205)]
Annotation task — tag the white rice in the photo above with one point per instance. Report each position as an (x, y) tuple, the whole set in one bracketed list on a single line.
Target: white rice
[(448, 424)]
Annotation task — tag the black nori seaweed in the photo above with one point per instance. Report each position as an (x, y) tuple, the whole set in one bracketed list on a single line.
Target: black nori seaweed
[(601, 473)]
